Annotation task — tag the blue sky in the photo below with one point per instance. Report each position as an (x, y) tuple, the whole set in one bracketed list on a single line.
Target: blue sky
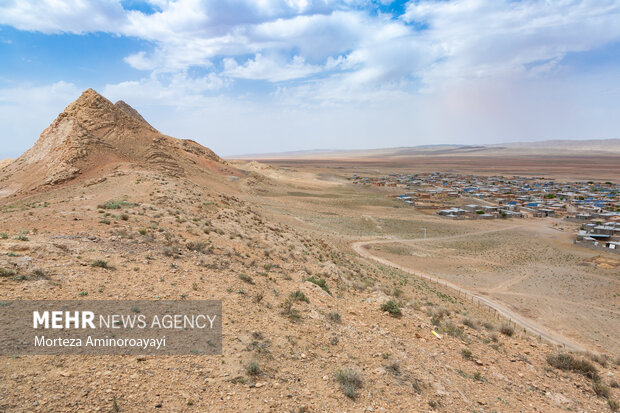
[(248, 76)]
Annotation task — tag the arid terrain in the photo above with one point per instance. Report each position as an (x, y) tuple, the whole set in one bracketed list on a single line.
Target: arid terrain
[(584, 160), (106, 207)]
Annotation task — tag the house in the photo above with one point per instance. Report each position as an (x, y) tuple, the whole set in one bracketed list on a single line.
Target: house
[(452, 211)]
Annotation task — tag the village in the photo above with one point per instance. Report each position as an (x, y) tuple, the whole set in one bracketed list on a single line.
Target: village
[(455, 196)]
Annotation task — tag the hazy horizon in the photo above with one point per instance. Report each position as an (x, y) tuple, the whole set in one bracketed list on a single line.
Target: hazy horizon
[(245, 77), (329, 150)]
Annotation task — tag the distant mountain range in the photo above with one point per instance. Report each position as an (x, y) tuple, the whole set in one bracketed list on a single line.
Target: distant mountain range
[(540, 148)]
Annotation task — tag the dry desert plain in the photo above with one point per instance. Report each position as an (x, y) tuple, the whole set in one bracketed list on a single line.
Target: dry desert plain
[(106, 207), (531, 266)]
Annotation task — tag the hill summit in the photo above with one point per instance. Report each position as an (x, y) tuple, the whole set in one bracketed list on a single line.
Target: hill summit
[(93, 134)]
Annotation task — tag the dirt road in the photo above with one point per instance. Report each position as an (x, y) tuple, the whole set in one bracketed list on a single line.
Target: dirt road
[(362, 248)]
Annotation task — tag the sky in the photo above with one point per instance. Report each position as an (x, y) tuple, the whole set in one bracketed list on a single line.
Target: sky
[(260, 76)]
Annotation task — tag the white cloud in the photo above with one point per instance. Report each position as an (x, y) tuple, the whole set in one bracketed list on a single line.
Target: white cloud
[(480, 39), (462, 39), (54, 16), (178, 91), (270, 69)]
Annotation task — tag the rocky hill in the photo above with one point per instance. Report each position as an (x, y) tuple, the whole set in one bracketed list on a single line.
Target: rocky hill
[(93, 135)]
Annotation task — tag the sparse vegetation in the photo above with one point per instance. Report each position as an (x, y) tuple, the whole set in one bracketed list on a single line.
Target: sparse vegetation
[(170, 251), (253, 369), (289, 311), (568, 362), (452, 329), (39, 274), (391, 307), (115, 205), (100, 264), (488, 326), (334, 316), (471, 323), (246, 278), (196, 246), (350, 381), (507, 330), (320, 282), (598, 358), (298, 296), (601, 389), (393, 368)]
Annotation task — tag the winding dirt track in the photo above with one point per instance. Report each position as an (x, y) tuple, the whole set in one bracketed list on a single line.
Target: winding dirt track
[(362, 248)]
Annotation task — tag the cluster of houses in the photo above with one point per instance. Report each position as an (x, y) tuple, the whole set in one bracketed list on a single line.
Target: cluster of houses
[(600, 234), (595, 204), (475, 211), (533, 196)]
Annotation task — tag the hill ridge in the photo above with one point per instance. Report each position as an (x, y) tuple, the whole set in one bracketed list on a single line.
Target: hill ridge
[(93, 133)]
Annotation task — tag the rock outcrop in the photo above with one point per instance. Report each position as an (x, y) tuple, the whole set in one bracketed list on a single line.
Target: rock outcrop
[(93, 133)]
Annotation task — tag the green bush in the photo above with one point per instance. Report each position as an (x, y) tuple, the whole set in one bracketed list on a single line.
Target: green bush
[(298, 296), (253, 369), (320, 282), (115, 204), (391, 307)]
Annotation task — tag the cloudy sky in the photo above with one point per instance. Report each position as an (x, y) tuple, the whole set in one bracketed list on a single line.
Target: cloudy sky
[(254, 76)]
